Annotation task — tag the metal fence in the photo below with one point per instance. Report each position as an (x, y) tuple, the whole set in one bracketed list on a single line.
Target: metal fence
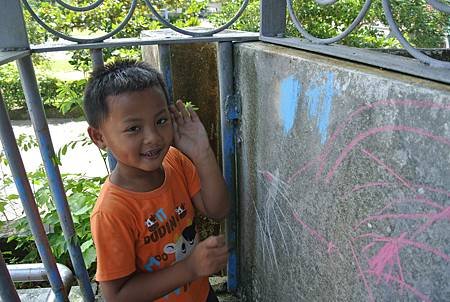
[(14, 46), (274, 14)]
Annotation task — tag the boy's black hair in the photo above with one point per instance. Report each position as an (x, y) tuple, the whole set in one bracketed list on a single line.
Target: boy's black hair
[(114, 79)]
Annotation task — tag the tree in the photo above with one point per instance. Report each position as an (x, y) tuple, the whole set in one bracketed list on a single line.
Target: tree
[(420, 23), (105, 19)]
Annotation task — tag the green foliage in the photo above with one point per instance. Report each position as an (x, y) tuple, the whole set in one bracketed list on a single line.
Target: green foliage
[(81, 192), (249, 21), (421, 25), (106, 18), (69, 95), (188, 104), (190, 14), (63, 95), (26, 142)]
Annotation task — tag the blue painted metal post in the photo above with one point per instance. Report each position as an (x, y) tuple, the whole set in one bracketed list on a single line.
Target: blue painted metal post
[(273, 18), (13, 35), (36, 110), (97, 58), (8, 292), (98, 62), (166, 68), (229, 116), (29, 205)]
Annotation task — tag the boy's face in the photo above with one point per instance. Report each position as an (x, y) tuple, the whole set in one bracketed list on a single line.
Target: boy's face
[(138, 129)]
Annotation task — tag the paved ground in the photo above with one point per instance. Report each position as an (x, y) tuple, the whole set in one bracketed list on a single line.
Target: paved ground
[(42, 294), (80, 160)]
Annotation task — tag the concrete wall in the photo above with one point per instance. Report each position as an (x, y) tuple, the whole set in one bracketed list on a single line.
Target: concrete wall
[(344, 180)]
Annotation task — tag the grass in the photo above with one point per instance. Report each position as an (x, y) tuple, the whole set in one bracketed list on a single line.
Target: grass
[(57, 65)]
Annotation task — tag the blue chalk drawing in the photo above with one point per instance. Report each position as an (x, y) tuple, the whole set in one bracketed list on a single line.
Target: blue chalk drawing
[(290, 90), (319, 99)]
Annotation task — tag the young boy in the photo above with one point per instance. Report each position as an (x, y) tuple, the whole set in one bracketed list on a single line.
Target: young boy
[(143, 221)]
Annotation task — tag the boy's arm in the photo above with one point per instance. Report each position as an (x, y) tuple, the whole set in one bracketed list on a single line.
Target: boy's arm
[(212, 200), (147, 286), (191, 138), (208, 257)]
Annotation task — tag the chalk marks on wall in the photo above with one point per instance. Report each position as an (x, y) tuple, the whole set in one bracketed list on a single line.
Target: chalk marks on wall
[(319, 99), (415, 209), (290, 90)]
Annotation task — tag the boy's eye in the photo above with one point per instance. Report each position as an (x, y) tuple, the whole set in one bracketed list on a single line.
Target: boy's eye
[(162, 121), (133, 129)]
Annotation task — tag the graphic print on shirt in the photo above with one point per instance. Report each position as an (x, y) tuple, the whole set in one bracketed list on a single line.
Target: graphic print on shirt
[(182, 248), (184, 245), (159, 224)]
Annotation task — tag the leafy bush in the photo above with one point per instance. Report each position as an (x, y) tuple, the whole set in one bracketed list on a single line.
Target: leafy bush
[(249, 21), (81, 194), (62, 95)]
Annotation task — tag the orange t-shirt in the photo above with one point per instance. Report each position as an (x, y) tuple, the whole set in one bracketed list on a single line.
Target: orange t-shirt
[(148, 231)]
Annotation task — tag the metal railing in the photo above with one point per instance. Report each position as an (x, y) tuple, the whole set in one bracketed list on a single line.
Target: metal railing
[(274, 14), (14, 46)]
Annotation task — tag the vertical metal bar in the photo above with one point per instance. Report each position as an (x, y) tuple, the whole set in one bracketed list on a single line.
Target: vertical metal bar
[(97, 58), (13, 35), (36, 110), (166, 68), (228, 117), (7, 290), (98, 62), (29, 205), (273, 18)]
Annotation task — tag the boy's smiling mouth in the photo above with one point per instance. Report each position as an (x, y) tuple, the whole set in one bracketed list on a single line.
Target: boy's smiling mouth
[(152, 154)]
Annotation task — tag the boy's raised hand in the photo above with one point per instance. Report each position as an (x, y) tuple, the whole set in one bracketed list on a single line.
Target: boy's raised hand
[(189, 133), (208, 257)]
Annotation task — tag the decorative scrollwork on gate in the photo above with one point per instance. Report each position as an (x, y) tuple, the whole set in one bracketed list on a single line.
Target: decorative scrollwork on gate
[(125, 21), (394, 28)]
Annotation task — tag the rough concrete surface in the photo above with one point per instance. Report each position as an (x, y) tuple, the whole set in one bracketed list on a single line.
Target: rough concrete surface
[(344, 180)]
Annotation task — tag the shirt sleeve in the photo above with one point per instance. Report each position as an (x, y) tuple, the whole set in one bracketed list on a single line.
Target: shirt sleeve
[(114, 243), (190, 172)]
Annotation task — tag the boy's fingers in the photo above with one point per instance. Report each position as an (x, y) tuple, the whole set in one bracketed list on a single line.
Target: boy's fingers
[(193, 114), (172, 108), (182, 108), (222, 260), (222, 251), (174, 122), (219, 256), (176, 114), (215, 241), (221, 240)]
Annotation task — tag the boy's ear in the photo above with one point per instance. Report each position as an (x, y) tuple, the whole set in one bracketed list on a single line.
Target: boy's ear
[(97, 137)]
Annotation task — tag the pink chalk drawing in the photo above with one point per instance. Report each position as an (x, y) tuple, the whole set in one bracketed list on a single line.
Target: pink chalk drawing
[(378, 258)]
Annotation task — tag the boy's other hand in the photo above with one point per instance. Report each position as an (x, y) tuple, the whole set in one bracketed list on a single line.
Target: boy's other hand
[(208, 257), (190, 136)]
